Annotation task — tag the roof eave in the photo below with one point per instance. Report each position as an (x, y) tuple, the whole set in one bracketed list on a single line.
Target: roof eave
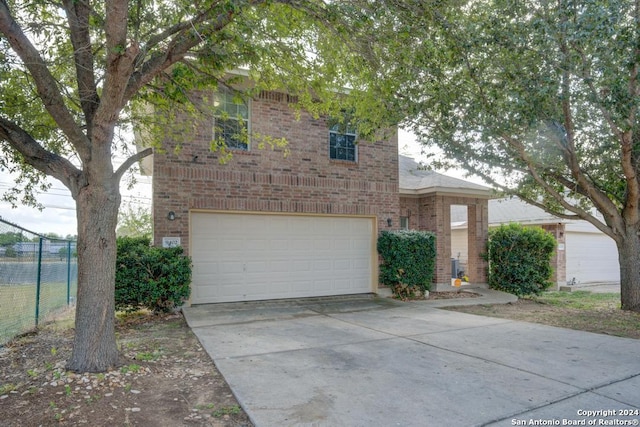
[(448, 191), (537, 221)]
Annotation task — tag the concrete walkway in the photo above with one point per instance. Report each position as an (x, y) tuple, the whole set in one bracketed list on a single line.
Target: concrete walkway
[(371, 361)]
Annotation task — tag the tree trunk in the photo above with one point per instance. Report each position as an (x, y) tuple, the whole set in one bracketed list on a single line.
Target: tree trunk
[(94, 347), (629, 258)]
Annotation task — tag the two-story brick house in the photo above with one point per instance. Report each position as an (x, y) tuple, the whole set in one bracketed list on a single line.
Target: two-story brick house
[(266, 226)]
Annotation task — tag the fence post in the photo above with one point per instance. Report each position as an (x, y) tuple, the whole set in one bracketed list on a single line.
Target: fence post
[(38, 280), (68, 272)]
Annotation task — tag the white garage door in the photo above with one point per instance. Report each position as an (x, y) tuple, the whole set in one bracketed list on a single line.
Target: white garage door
[(243, 257), (591, 257)]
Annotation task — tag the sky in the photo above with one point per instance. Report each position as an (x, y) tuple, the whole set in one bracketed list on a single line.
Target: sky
[(58, 215)]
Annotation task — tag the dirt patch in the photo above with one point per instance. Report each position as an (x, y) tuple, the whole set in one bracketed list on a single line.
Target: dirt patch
[(450, 295), (436, 296), (167, 379), (610, 321)]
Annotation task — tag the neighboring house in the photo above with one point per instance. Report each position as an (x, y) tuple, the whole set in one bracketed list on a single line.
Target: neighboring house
[(266, 226), (584, 254), (49, 248)]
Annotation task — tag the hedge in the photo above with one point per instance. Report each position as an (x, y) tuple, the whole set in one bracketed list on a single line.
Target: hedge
[(408, 261), (519, 259), (150, 277)]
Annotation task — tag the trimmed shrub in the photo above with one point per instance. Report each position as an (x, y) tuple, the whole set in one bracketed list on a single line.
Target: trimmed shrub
[(408, 261), (519, 259), (150, 277)]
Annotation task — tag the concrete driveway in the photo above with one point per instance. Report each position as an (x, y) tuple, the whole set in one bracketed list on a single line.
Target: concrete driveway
[(369, 361)]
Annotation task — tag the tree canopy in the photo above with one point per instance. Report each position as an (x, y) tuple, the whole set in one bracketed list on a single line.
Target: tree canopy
[(539, 98), (10, 238), (77, 75), (56, 80), (135, 221)]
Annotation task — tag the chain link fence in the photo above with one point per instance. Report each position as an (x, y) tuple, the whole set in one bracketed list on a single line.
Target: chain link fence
[(38, 277)]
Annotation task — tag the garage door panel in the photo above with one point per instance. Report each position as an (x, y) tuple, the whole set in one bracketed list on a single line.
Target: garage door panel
[(299, 224), (322, 265), (343, 285), (322, 244), (231, 244), (255, 225), (360, 244), (360, 264), (279, 245), (342, 264), (299, 245), (230, 268), (302, 286), (276, 226), (591, 257), (341, 243), (278, 266), (260, 245), (239, 257), (342, 227), (256, 266), (203, 244)]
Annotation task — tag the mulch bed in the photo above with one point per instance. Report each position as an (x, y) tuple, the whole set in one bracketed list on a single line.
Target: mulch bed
[(451, 295)]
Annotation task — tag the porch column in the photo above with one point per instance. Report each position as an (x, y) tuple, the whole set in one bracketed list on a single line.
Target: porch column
[(437, 219), (478, 235), (559, 257)]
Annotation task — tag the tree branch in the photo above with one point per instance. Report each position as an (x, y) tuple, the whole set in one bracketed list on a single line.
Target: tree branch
[(120, 60), (587, 78), (45, 83), (131, 160), (614, 222), (187, 35), (631, 206), (545, 208), (43, 160), (180, 45), (78, 13)]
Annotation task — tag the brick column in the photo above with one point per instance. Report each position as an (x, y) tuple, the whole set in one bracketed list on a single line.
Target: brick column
[(436, 217), (559, 257), (478, 234)]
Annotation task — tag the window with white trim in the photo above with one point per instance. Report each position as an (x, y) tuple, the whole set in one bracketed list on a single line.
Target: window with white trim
[(404, 222), (342, 143), (231, 119)]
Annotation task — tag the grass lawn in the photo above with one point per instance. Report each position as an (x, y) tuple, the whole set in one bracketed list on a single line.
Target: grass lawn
[(580, 299), (18, 306), (581, 310)]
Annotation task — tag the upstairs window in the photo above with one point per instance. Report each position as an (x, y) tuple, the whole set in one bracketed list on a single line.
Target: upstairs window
[(231, 123), (342, 143)]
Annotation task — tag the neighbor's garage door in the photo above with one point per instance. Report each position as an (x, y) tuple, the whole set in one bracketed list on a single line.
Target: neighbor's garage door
[(591, 257), (242, 257)]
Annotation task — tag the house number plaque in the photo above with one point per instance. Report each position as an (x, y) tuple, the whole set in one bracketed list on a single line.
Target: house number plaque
[(170, 242)]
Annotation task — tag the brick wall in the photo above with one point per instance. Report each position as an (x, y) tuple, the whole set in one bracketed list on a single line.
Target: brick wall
[(306, 181)]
